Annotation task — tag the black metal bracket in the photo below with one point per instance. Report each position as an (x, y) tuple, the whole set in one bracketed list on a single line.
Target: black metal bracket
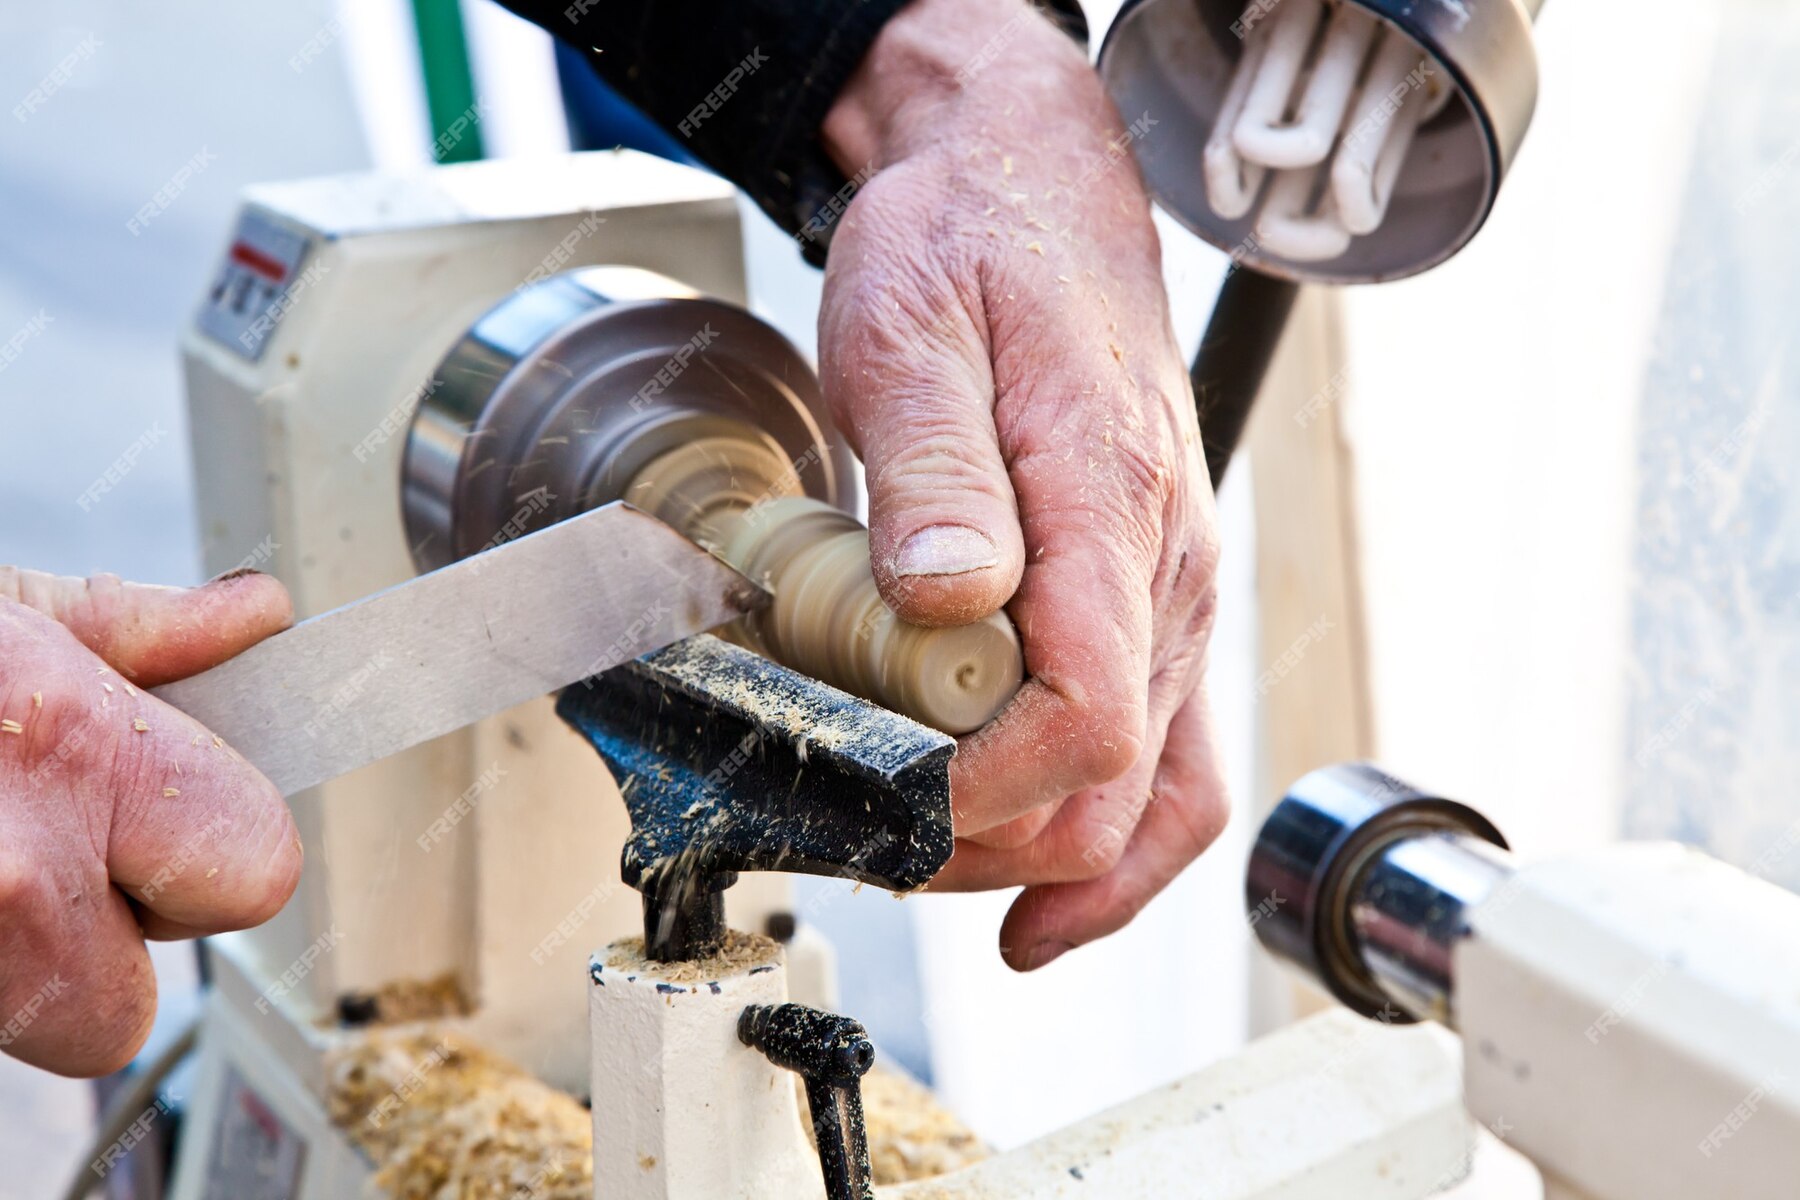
[(832, 1054), (729, 762)]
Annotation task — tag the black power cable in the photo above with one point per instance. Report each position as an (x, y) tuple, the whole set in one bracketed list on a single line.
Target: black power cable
[(1241, 337)]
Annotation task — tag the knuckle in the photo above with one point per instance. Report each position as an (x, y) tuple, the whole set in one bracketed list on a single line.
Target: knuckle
[(1114, 740), (932, 451), (125, 761), (1097, 844), (1200, 554), (1146, 465)]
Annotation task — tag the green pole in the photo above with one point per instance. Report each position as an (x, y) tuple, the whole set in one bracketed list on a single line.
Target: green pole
[(449, 84)]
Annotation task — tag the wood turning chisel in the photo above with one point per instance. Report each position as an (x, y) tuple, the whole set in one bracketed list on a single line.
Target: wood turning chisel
[(520, 620)]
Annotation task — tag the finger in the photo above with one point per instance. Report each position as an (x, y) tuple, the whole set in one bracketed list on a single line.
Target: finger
[(1085, 835), (199, 836), (152, 634), (905, 368), (77, 991), (1187, 815), (183, 825), (1020, 831), (158, 928), (1085, 715), (1095, 499), (1081, 836)]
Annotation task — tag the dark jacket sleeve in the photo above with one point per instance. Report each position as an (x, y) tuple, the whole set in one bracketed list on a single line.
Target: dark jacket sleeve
[(745, 84)]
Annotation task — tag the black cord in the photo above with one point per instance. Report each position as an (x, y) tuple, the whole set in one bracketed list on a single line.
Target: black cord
[(1241, 337)]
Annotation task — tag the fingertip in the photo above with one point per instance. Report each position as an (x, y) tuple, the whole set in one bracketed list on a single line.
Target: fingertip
[(244, 607), (1026, 944), (185, 632), (283, 877), (946, 574), (243, 890), (263, 599)]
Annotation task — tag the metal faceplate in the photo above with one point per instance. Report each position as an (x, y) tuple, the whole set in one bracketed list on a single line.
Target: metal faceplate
[(554, 400), (1167, 64)]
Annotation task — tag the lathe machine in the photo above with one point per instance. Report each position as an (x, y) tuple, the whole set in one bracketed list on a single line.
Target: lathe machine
[(1630, 1021)]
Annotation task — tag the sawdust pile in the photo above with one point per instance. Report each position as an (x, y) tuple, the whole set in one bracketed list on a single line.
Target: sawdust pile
[(912, 1136), (442, 1119), (402, 1001), (445, 1120), (738, 954)]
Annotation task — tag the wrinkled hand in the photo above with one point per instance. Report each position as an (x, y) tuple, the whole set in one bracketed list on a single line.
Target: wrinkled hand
[(120, 818), (996, 342)]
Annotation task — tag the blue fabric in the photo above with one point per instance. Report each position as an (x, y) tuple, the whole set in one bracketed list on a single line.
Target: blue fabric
[(601, 119)]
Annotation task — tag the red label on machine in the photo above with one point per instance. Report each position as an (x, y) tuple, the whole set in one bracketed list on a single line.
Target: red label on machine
[(255, 286)]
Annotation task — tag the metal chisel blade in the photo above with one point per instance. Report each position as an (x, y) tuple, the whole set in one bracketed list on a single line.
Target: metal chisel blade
[(437, 653)]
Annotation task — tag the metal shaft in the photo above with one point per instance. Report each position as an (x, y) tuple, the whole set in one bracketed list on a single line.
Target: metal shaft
[(1365, 882), (1409, 906)]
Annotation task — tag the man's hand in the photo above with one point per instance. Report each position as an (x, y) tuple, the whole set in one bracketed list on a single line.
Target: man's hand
[(120, 818), (996, 341)]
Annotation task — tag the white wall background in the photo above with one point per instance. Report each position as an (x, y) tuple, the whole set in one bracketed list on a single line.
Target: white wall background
[(1495, 422)]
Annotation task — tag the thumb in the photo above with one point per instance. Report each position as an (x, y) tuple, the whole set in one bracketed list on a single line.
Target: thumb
[(906, 370), (151, 634)]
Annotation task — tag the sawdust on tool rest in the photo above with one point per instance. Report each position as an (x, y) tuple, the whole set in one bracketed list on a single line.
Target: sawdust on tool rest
[(741, 953), (442, 1119)]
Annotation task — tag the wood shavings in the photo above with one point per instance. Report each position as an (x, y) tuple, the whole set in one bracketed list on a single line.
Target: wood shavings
[(405, 1001), (1036, 248), (442, 1119), (911, 1135), (211, 871), (218, 742), (168, 792), (739, 954), (11, 727), (37, 699), (108, 687), (141, 725)]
